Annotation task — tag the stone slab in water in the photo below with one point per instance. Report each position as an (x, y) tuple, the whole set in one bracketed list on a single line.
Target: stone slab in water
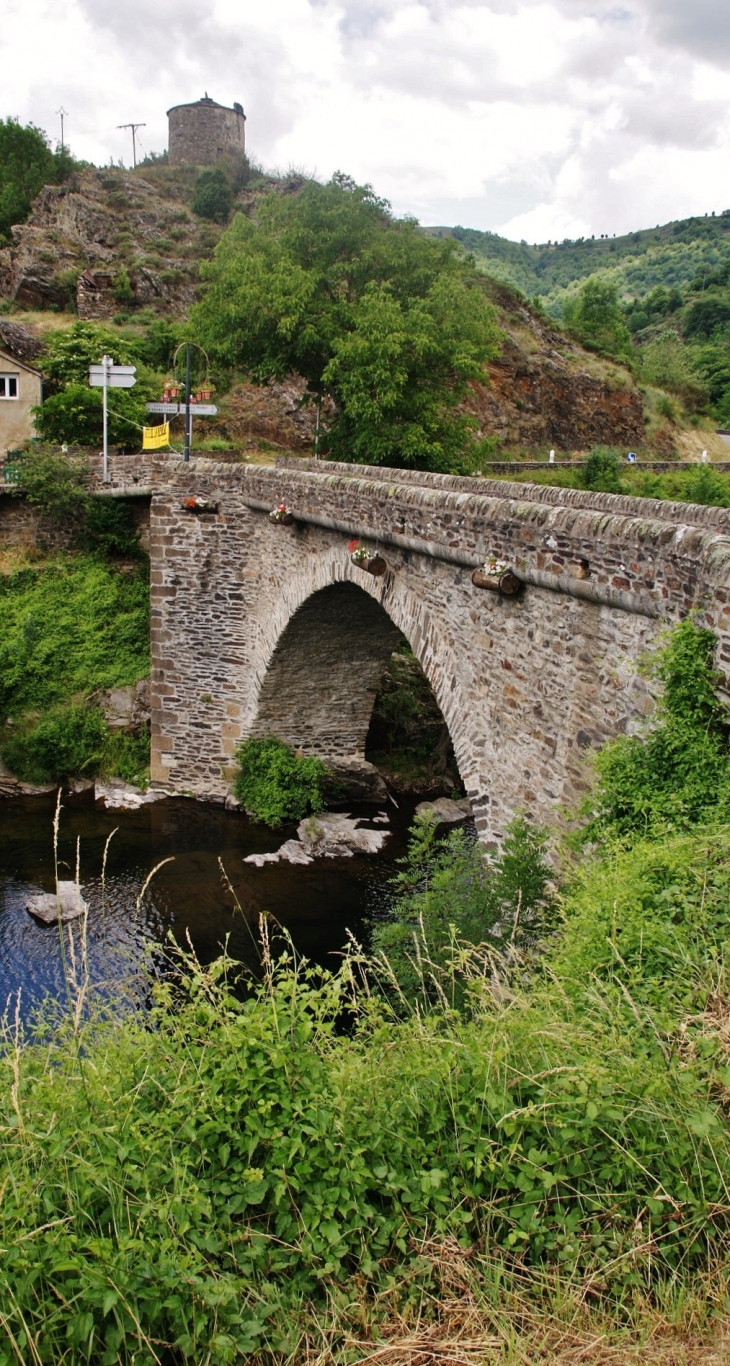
[(446, 810), (45, 906), (327, 835)]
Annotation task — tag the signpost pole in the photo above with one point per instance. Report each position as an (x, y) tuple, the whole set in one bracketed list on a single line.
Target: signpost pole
[(106, 362), (186, 452)]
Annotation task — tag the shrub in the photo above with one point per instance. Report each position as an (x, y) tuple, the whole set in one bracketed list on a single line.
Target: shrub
[(68, 740), (213, 198), (450, 892), (679, 773), (58, 486), (275, 784), (602, 470)]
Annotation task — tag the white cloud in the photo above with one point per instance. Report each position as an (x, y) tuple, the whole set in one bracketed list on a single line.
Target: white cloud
[(537, 118)]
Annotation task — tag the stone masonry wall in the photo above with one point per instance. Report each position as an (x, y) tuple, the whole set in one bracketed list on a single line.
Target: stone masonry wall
[(200, 134), (248, 633)]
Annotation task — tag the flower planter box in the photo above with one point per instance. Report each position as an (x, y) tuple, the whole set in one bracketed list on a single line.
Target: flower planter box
[(196, 506), (281, 515), (371, 564), (505, 582)]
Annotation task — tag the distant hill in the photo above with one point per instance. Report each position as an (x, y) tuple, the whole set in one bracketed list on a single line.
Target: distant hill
[(673, 255)]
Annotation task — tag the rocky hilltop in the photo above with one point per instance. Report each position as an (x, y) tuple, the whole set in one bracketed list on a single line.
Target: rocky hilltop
[(110, 241), (103, 223)]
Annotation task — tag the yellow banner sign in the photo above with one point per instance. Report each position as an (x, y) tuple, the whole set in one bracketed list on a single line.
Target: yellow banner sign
[(155, 437)]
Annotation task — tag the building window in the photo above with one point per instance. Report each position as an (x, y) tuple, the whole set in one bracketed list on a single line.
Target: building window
[(8, 386)]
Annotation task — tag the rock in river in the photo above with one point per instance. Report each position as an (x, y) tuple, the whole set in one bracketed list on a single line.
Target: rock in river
[(446, 811), (327, 835), (45, 906)]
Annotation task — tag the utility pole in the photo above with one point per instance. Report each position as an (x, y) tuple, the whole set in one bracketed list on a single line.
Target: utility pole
[(134, 127), (62, 113)]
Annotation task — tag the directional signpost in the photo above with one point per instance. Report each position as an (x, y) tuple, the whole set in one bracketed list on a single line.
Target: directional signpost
[(106, 376), (188, 411)]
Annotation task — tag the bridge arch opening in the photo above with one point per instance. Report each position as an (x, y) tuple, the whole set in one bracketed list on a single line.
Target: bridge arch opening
[(338, 653)]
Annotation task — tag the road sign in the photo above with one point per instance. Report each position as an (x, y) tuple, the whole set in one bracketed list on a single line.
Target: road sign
[(112, 381), (112, 376), (178, 409), (107, 376), (112, 369)]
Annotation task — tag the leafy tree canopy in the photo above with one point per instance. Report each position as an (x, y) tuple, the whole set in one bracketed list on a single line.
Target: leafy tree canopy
[(596, 319), (26, 165), (389, 322)]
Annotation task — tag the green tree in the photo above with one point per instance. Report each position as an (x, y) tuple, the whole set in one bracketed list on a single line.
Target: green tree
[(26, 165), (213, 198), (74, 412), (365, 307), (594, 316)]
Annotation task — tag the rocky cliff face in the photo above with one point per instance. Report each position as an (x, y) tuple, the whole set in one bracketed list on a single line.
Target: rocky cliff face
[(103, 221), (545, 390)]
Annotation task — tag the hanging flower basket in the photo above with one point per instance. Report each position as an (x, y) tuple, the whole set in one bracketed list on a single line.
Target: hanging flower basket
[(171, 391), (369, 560), (497, 577), (197, 505), (281, 515), (204, 393)]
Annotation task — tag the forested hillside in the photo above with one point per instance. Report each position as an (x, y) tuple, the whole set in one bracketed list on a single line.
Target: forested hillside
[(671, 255)]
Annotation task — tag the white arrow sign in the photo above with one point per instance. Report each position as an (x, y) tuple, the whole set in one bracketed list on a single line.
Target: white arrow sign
[(112, 376)]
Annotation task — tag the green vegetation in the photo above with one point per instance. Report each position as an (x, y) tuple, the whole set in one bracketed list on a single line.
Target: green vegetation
[(678, 776), (276, 785), (670, 287), (26, 165), (328, 284), (234, 1174), (594, 316), (669, 257), (69, 629), (73, 412), (213, 198), (58, 486), (606, 471), (451, 893)]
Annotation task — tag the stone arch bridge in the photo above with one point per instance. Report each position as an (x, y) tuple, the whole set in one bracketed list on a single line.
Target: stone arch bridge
[(262, 629)]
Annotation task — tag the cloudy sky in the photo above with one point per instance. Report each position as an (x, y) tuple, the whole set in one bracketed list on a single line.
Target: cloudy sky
[(536, 120)]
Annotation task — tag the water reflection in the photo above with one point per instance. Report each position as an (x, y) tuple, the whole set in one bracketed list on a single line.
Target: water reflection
[(192, 896)]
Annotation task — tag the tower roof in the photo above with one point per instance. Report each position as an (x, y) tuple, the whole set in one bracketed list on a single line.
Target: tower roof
[(206, 102)]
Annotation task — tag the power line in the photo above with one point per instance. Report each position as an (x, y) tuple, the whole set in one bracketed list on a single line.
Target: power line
[(134, 127)]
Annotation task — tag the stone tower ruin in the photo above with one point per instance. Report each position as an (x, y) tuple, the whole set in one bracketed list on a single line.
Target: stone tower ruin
[(201, 133)]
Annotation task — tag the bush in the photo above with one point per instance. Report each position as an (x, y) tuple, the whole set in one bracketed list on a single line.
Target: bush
[(68, 740), (56, 484), (275, 784), (213, 198), (74, 741), (679, 774), (602, 470), (451, 893)]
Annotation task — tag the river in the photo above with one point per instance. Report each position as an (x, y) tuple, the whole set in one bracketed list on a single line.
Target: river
[(194, 896)]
